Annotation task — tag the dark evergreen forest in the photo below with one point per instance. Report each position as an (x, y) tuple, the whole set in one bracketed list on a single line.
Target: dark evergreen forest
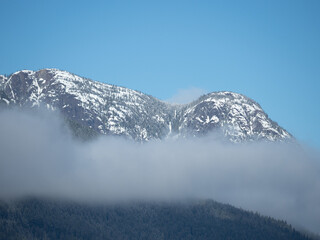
[(47, 219)]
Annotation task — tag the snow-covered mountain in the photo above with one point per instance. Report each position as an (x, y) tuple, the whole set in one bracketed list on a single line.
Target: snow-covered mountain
[(113, 110)]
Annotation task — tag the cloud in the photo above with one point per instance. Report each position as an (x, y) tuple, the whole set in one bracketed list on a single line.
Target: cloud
[(184, 96), (39, 158)]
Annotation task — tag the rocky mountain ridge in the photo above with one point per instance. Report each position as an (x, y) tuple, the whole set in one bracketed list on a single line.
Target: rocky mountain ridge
[(114, 110)]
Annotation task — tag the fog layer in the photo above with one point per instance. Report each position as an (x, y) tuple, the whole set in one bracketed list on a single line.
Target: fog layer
[(38, 157)]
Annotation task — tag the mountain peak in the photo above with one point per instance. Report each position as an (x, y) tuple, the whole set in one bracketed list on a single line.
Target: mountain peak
[(112, 110)]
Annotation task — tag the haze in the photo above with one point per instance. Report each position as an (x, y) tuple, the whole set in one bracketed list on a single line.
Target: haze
[(39, 157)]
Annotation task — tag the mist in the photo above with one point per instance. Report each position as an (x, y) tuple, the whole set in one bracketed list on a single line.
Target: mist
[(184, 96), (39, 157)]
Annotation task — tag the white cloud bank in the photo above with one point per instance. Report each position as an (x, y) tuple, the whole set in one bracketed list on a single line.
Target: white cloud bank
[(37, 158)]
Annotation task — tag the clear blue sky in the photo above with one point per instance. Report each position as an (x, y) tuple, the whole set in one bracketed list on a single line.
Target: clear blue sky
[(267, 50)]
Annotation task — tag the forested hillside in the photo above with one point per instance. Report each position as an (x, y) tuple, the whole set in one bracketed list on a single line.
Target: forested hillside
[(44, 219)]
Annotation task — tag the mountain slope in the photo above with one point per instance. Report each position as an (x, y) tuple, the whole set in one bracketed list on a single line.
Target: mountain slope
[(237, 116), (113, 110), (40, 219)]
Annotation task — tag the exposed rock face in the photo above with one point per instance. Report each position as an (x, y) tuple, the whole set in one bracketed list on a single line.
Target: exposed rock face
[(114, 110)]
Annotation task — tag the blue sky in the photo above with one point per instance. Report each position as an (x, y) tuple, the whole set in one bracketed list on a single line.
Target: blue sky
[(267, 50)]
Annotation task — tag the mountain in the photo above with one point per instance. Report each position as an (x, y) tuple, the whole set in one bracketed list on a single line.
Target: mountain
[(101, 108), (207, 219)]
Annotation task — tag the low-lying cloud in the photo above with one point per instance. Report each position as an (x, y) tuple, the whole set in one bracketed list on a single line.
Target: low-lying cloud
[(39, 157)]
